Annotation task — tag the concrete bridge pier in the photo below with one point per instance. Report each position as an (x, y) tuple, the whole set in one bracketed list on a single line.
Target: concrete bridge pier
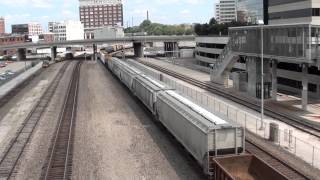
[(95, 51), (254, 77), (53, 53), (21, 54), (274, 80), (171, 48), (138, 49), (305, 82)]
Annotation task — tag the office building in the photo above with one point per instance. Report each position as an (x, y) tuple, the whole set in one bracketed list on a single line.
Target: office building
[(101, 13), (251, 11), (31, 29), (2, 26), (66, 30), (297, 11), (226, 11)]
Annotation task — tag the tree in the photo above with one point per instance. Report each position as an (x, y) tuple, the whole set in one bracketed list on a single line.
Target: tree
[(160, 29), (213, 21)]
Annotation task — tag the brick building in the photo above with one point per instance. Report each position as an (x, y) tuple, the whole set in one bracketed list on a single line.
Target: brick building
[(10, 40), (101, 13)]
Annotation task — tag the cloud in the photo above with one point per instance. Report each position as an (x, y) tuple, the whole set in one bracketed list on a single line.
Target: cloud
[(28, 3)]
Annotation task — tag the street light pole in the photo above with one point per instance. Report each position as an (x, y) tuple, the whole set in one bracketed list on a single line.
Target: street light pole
[(262, 78)]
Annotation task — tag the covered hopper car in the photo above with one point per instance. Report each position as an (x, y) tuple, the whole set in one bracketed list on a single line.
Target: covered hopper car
[(203, 134)]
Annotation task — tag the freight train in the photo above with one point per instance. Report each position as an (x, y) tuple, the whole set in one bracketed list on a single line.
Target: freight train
[(203, 134)]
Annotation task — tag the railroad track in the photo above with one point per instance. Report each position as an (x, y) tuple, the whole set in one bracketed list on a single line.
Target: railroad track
[(296, 122), (16, 147), (274, 162), (59, 162)]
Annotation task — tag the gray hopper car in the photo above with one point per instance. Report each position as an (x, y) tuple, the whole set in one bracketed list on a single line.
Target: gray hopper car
[(147, 89), (147, 70), (200, 131)]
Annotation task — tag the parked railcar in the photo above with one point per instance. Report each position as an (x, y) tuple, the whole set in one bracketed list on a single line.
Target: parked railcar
[(203, 134), (147, 70), (128, 74), (147, 89), (198, 130)]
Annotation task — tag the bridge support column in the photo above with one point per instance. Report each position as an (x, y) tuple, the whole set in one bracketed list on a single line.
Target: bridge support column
[(21, 54), (254, 77), (53, 53), (138, 49), (274, 79), (94, 55), (305, 82), (171, 48)]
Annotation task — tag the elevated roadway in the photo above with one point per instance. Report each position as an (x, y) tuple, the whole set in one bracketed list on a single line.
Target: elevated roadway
[(135, 39)]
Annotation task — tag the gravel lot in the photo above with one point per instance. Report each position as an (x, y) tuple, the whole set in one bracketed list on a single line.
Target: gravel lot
[(117, 139)]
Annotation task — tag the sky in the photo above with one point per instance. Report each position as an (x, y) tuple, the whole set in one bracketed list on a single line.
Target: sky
[(161, 11)]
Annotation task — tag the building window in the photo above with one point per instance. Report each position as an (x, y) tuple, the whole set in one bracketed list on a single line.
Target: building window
[(315, 11)]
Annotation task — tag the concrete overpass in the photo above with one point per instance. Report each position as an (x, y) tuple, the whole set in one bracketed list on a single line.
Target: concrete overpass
[(138, 41)]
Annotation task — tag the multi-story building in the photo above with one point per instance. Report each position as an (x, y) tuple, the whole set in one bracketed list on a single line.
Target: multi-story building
[(208, 49), (100, 13), (31, 29), (226, 11), (252, 11), (67, 30), (297, 11), (2, 26)]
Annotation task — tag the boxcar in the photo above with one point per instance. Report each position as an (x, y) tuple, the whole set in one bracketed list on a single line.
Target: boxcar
[(146, 89), (198, 130)]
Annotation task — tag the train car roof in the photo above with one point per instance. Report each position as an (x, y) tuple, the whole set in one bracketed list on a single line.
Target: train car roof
[(211, 119)]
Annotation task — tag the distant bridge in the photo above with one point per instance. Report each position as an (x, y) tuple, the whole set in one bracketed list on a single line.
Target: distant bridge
[(134, 39)]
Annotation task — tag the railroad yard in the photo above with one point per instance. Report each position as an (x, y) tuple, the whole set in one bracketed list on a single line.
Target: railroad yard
[(80, 120)]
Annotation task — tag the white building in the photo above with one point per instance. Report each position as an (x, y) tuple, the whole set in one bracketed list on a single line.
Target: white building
[(35, 29), (226, 11), (67, 30), (108, 32)]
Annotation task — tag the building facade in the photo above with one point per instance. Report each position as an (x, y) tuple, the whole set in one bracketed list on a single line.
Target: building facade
[(226, 11), (31, 29), (297, 11), (251, 11), (99, 13), (108, 32), (208, 49), (11, 40), (66, 30), (2, 26)]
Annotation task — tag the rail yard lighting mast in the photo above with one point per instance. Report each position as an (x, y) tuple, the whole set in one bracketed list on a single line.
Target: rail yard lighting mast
[(261, 23)]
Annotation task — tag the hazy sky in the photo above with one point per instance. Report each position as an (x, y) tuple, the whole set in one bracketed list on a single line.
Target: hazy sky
[(162, 11)]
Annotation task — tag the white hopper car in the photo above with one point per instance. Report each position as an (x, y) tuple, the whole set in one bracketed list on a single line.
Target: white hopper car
[(198, 130), (147, 70)]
